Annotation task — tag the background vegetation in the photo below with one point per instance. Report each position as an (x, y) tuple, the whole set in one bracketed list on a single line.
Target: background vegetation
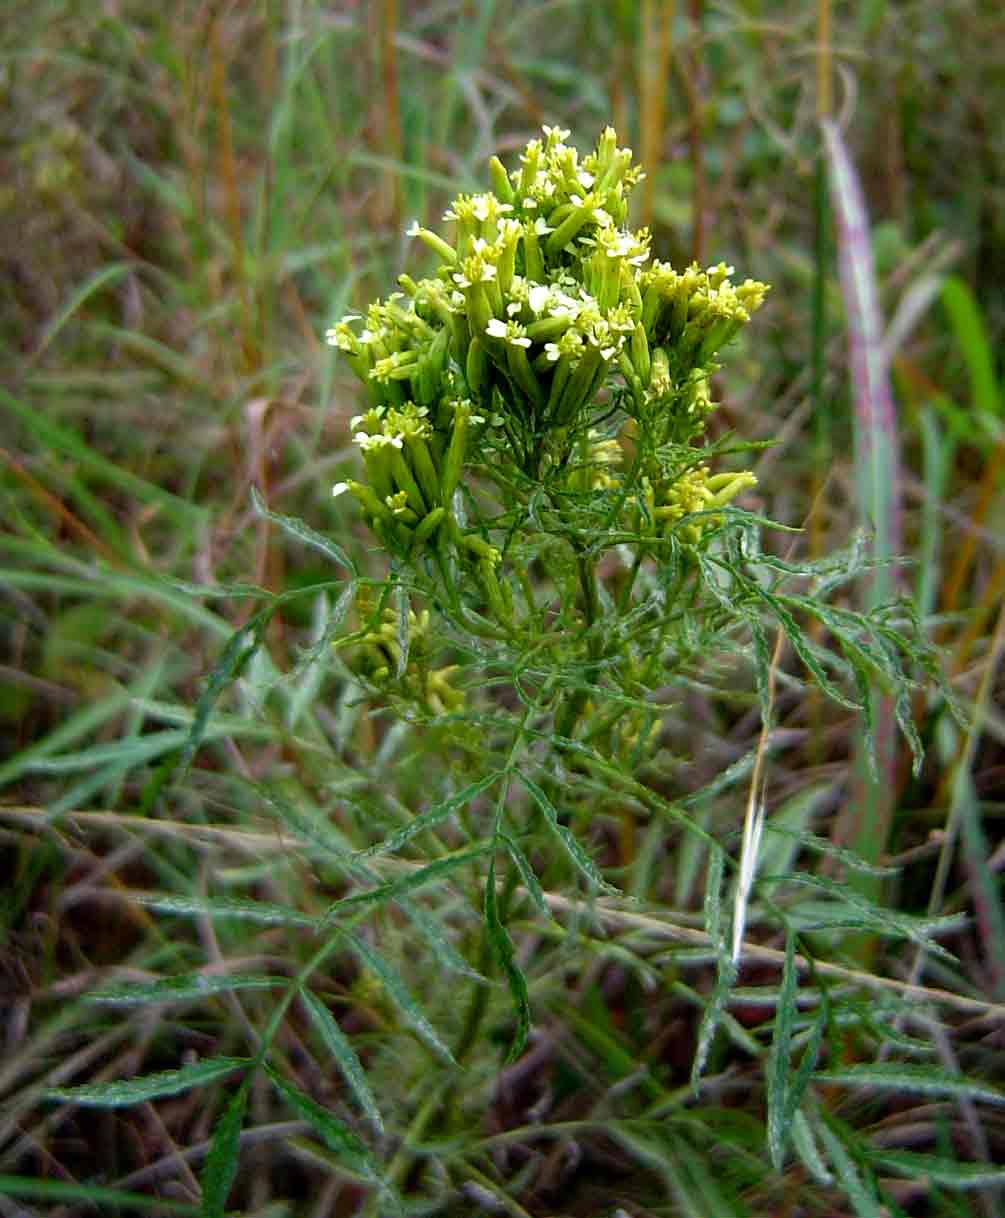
[(191, 193)]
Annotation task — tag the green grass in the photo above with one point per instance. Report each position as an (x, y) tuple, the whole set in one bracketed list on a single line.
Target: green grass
[(245, 890)]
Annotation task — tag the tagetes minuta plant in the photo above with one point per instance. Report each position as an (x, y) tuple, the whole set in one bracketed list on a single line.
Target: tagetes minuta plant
[(549, 372)]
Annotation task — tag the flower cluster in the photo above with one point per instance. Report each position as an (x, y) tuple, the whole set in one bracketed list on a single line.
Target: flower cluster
[(419, 682), (545, 312)]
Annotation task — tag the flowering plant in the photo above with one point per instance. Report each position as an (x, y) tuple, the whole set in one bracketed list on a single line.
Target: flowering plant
[(547, 382), (537, 469)]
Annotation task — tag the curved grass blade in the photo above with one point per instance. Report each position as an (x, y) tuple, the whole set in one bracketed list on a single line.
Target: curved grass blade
[(947, 1172), (225, 907), (860, 1193)]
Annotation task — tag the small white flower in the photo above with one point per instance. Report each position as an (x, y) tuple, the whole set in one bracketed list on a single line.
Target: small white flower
[(496, 328), (413, 229), (339, 489), (586, 179), (538, 297), (366, 442)]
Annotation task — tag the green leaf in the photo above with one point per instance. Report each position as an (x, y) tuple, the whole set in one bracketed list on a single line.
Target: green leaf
[(404, 631), (338, 1044), (971, 334), (505, 956), (220, 1167), (727, 972), (581, 860), (806, 1148), (69, 1191), (407, 882), (947, 1172), (860, 1193), (431, 817), (338, 1137), (400, 995), (149, 1087), (301, 531), (800, 1080), (926, 1080), (236, 654), (180, 988), (530, 880), (778, 1059), (805, 649), (884, 921), (225, 907), (436, 939)]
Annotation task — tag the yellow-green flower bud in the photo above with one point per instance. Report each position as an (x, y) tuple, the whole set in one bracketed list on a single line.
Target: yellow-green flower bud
[(406, 481), (477, 370), (500, 180), (425, 471), (454, 462), (641, 359), (435, 243), (481, 548), (364, 496), (429, 524), (532, 258)]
